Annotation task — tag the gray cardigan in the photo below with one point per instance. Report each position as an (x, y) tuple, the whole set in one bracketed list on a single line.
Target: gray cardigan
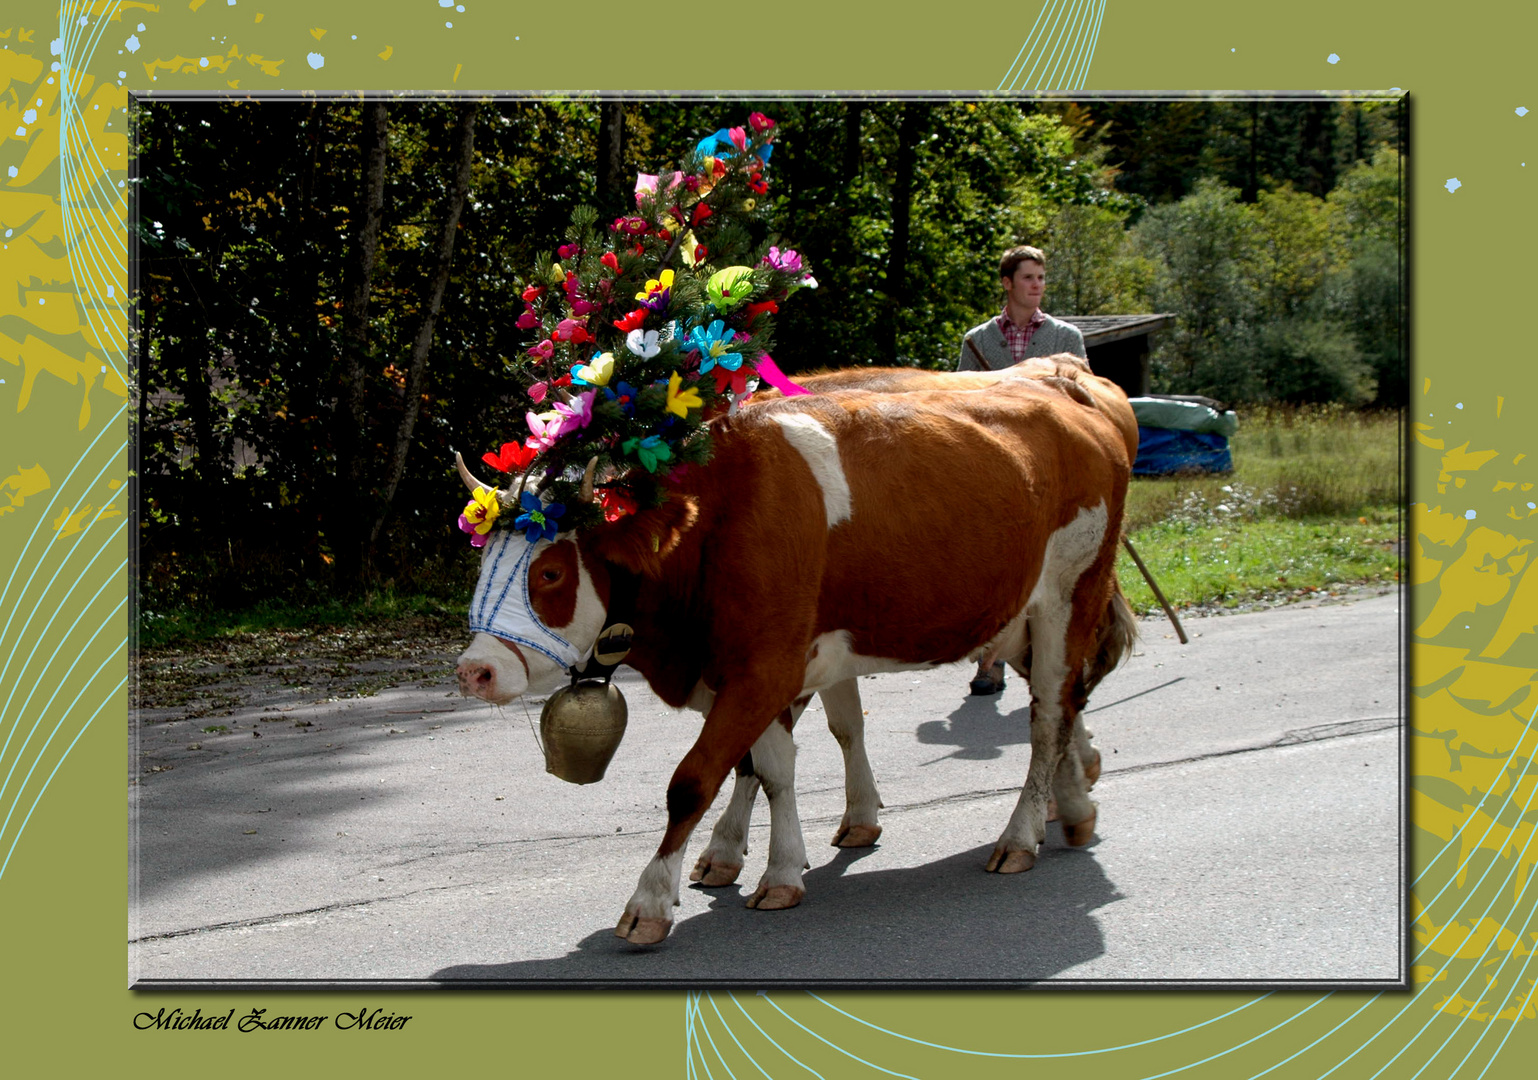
[(1052, 336)]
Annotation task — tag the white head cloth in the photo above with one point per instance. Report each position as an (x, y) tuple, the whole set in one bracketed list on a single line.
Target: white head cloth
[(501, 605)]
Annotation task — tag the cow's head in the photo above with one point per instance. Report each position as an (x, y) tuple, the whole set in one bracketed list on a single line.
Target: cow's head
[(539, 607)]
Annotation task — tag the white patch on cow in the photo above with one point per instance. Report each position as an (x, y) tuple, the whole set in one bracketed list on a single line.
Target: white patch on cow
[(1069, 552), (701, 698), (846, 720), (774, 763), (820, 449), (831, 659), (657, 893)]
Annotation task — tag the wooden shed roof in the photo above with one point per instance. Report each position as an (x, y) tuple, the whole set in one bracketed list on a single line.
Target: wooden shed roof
[(1103, 329)]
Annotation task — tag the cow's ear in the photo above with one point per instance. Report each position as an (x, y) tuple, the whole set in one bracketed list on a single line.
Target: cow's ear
[(640, 541)]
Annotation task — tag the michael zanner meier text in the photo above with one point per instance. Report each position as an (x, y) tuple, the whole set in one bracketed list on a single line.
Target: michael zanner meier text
[(258, 1020)]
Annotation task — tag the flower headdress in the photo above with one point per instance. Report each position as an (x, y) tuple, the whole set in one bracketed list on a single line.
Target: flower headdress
[(642, 329)]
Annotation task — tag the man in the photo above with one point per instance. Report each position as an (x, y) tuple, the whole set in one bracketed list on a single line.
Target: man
[(1022, 330)]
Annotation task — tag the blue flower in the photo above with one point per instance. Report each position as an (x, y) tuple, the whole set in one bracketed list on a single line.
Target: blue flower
[(712, 345), (625, 394), (538, 519)]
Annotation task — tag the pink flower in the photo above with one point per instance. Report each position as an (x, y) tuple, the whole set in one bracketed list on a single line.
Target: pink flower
[(578, 414), (739, 138), (788, 260), (528, 320), (538, 392), (544, 350), (566, 251), (544, 429), (759, 122), (571, 330)]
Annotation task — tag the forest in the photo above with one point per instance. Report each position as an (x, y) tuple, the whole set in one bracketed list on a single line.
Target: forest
[(328, 291)]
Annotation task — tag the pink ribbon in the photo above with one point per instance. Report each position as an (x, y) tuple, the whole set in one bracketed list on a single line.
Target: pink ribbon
[(771, 373)]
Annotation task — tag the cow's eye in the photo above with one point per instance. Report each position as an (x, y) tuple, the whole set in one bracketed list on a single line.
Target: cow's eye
[(550, 575)]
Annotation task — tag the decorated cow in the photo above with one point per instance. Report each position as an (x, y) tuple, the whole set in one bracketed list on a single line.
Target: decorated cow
[(748, 554)]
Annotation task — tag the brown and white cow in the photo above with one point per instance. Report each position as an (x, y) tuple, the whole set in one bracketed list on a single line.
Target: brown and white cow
[(722, 860), (820, 544)]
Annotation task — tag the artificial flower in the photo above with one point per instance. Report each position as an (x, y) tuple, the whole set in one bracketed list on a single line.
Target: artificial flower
[(597, 372), (681, 401), (566, 251), (479, 515), (533, 293), (616, 504), (650, 451), (701, 212), (528, 320), (787, 261), (538, 520), (645, 182), (643, 343), (734, 380), (610, 260), (632, 321), (635, 226), (512, 458), (712, 344), (657, 292), (729, 287), (571, 330), (759, 122), (577, 414), (544, 429), (624, 395), (753, 311), (738, 136), (544, 350), (701, 253), (538, 392)]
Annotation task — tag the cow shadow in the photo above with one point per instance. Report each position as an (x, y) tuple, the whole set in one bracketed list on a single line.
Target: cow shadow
[(942, 922), (981, 727)]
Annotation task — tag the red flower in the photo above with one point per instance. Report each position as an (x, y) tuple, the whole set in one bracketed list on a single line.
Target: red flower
[(635, 226), (667, 237), (701, 212), (571, 330), (737, 380), (616, 504), (759, 122), (564, 380), (610, 260), (566, 251), (533, 293), (632, 321), (753, 311), (700, 254), (514, 457), (639, 249)]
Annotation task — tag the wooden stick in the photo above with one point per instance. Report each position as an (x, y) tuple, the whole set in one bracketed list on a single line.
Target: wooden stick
[(1179, 630)]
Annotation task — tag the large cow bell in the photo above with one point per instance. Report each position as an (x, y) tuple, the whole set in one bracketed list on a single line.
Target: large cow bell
[(581, 726)]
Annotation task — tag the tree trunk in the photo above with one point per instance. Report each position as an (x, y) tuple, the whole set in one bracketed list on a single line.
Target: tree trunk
[(611, 159), (352, 434), (465, 129), (909, 130)]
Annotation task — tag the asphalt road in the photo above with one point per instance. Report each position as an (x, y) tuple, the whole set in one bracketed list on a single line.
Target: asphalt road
[(1250, 828)]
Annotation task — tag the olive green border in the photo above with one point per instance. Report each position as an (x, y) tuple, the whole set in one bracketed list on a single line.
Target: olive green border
[(63, 893)]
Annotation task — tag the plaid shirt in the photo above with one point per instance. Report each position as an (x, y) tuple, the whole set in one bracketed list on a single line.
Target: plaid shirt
[(1019, 337)]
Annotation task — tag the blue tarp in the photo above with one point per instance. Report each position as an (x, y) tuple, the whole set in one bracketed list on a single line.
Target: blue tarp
[(1161, 451)]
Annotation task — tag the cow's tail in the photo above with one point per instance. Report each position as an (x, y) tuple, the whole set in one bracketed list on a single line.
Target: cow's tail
[(1118, 634)]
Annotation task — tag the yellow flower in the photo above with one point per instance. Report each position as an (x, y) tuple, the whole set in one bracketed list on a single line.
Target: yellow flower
[(598, 372), (482, 510), (680, 402), (657, 284)]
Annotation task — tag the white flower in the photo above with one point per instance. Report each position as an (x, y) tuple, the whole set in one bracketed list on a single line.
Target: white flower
[(643, 343)]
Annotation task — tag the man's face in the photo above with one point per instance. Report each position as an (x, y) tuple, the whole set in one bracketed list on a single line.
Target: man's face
[(1025, 286)]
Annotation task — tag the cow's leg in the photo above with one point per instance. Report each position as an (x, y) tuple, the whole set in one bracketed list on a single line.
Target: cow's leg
[(774, 761), (846, 720), (721, 861), (1062, 615), (734, 723)]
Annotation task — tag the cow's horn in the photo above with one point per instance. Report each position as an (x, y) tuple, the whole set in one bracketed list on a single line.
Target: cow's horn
[(464, 473), (587, 479)]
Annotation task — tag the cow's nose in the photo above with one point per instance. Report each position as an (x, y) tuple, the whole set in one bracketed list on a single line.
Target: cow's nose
[(477, 680)]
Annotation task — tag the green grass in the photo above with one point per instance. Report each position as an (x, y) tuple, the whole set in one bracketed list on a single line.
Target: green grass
[(160, 629), (1313, 502)]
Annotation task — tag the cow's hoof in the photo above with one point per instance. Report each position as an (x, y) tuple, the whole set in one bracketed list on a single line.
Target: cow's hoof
[(1051, 809), (712, 874), (856, 835), (776, 897), (1010, 862), (1092, 770), (638, 931), (1082, 833)]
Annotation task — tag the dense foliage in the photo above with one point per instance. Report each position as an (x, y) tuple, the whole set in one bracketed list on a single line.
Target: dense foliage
[(329, 296)]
